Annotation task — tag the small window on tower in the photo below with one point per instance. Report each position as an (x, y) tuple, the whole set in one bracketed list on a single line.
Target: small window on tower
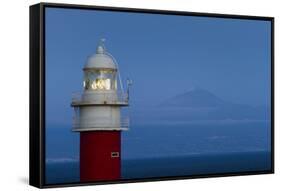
[(114, 154)]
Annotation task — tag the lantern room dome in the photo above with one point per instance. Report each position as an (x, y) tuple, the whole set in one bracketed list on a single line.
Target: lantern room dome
[(100, 60)]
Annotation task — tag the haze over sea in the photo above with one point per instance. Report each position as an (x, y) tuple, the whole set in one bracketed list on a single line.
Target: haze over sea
[(193, 133)]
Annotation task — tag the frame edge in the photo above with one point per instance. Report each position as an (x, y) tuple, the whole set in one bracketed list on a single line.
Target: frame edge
[(35, 130)]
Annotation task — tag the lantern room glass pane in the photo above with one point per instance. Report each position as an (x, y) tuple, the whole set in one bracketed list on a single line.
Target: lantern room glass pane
[(103, 79)]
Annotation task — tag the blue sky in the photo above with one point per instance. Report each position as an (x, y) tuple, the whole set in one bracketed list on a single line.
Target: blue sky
[(165, 55)]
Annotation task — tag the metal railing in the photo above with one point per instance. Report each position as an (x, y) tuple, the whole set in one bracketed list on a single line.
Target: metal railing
[(76, 96), (121, 97)]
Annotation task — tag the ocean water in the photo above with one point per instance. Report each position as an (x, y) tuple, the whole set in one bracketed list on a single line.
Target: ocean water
[(170, 150), (195, 165), (66, 172)]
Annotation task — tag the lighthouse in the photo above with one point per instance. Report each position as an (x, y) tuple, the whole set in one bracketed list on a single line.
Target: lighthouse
[(98, 119)]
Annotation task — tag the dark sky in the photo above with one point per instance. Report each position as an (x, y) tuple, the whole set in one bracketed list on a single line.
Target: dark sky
[(164, 55)]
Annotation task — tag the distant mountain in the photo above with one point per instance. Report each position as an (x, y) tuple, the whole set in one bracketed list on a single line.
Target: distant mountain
[(199, 105), (194, 98)]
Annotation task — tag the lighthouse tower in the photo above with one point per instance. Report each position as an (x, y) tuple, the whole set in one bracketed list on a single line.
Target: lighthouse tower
[(97, 118)]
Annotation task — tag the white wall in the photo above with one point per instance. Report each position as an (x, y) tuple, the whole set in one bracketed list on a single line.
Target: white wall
[(14, 38)]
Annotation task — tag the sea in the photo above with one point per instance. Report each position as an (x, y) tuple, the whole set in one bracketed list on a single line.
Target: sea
[(167, 150)]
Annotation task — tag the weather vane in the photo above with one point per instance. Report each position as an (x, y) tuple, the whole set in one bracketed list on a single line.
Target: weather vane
[(101, 43)]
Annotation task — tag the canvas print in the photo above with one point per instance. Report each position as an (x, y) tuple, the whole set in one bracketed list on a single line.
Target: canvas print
[(137, 95)]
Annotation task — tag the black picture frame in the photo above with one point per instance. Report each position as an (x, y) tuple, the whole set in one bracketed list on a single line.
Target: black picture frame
[(37, 92)]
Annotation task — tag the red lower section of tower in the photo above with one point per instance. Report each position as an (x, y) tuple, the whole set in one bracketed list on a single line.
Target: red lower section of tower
[(100, 155)]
